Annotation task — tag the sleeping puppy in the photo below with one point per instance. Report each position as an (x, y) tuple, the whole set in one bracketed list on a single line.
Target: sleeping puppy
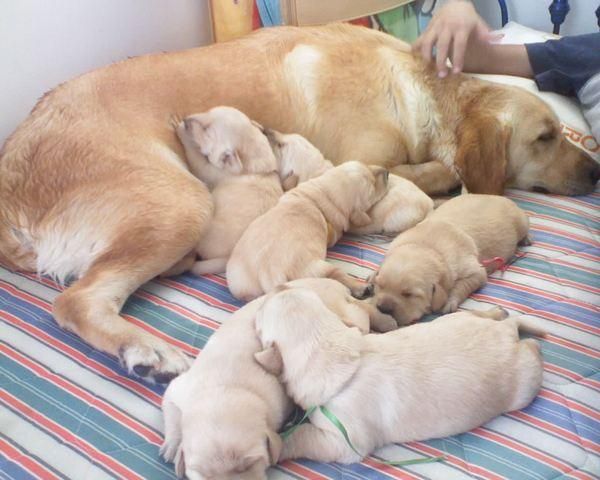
[(241, 197), (402, 207), (353, 312), (221, 423), (436, 265), (290, 240), (425, 381), (298, 159)]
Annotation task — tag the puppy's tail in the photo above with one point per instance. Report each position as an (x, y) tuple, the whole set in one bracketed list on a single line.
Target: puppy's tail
[(527, 326), (214, 265)]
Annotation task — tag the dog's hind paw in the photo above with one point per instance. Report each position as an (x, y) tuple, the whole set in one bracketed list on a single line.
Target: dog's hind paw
[(153, 360), (169, 448), (363, 291)]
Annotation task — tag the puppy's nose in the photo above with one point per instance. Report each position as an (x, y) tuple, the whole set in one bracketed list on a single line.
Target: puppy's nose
[(385, 308)]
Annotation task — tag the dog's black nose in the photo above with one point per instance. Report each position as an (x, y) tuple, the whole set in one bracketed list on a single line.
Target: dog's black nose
[(385, 309)]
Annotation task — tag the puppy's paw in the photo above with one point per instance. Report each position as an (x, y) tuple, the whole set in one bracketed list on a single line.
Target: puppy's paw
[(153, 360), (451, 306), (169, 448), (362, 291), (498, 313), (381, 322)]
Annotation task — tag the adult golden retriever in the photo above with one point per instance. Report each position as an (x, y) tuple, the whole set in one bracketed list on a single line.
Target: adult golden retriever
[(94, 183)]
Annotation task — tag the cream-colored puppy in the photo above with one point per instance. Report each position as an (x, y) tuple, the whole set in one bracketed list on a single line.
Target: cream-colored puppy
[(221, 423), (402, 207), (436, 265), (290, 240), (298, 159), (425, 381), (223, 142)]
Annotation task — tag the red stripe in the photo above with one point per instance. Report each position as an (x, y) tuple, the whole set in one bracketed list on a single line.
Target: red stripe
[(591, 383), (98, 368), (561, 371), (27, 463), (562, 221), (159, 334), (364, 246), (554, 279), (199, 294), (574, 346), (457, 462), (84, 396), (301, 470), (69, 438), (562, 233), (553, 205), (522, 449), (570, 403), (544, 294), (560, 432), (349, 259)]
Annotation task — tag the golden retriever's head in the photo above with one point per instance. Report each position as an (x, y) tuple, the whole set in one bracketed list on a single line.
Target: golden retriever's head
[(231, 446), (229, 140), (511, 138), (307, 344), (410, 283), (298, 159)]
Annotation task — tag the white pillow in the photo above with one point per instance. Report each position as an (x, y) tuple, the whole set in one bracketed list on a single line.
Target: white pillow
[(574, 125)]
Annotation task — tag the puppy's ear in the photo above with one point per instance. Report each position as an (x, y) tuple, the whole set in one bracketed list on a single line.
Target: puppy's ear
[(290, 181), (229, 160), (439, 297), (179, 463), (270, 359), (381, 175), (482, 154), (360, 219), (274, 445)]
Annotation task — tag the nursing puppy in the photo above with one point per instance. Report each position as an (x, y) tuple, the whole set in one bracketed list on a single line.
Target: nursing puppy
[(425, 381), (290, 240), (402, 207), (298, 159), (436, 265), (240, 198), (221, 423)]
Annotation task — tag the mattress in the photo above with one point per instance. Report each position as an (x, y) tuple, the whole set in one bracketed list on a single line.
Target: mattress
[(69, 411)]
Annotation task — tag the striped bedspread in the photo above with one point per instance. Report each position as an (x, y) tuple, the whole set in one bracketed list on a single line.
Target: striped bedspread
[(68, 411)]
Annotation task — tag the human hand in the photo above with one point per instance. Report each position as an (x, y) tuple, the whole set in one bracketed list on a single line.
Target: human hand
[(455, 30)]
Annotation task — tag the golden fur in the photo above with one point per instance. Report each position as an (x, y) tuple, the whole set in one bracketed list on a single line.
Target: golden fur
[(94, 183)]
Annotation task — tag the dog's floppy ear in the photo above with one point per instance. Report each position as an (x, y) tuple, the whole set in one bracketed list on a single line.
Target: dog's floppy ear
[(439, 297), (482, 154), (274, 445), (179, 463), (270, 359)]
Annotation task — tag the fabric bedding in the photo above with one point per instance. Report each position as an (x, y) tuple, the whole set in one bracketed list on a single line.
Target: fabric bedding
[(68, 411)]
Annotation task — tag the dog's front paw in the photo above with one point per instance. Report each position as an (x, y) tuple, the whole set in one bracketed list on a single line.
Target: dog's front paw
[(154, 360), (382, 322)]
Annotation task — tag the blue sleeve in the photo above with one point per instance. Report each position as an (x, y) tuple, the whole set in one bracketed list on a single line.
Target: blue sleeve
[(565, 65)]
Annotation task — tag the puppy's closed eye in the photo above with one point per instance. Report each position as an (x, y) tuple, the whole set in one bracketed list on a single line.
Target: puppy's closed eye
[(546, 137)]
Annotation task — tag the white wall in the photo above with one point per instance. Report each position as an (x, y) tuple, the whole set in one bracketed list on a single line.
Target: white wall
[(45, 42), (535, 14)]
